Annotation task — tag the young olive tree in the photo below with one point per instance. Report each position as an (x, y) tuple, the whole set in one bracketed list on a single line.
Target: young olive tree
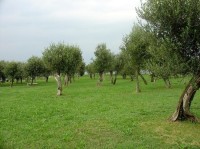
[(2, 71), (135, 48), (73, 62), (102, 60), (21, 72), (34, 67), (55, 58), (11, 70), (177, 24), (90, 68), (62, 59)]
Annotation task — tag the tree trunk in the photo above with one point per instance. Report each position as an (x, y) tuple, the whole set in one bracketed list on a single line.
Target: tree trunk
[(132, 77), (152, 77), (115, 79), (137, 81), (111, 77), (11, 84), (167, 82), (47, 78), (124, 76), (66, 79), (100, 79), (69, 79), (21, 80), (183, 109), (59, 83), (32, 81), (145, 81), (90, 75)]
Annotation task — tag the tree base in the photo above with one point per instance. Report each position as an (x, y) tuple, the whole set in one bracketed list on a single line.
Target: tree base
[(183, 109)]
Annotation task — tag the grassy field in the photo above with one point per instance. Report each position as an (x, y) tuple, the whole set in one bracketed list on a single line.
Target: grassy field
[(88, 116)]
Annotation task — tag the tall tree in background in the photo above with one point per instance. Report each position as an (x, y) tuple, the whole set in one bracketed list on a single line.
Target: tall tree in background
[(135, 47), (119, 63), (162, 63), (90, 68), (34, 67), (177, 24), (21, 72), (2, 71), (102, 60), (111, 68), (73, 62), (11, 70), (81, 69)]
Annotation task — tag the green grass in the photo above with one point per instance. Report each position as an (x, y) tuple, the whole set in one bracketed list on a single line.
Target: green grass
[(88, 116)]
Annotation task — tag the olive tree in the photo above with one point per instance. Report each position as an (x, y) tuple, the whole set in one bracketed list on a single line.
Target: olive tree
[(62, 59), (177, 24), (2, 71), (55, 57), (90, 68), (135, 47), (34, 67), (11, 70), (73, 62), (21, 72), (102, 60)]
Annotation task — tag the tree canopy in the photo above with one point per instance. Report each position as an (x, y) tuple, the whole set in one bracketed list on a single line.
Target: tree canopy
[(177, 24)]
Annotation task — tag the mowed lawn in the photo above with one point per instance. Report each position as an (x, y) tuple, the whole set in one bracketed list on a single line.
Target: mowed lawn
[(90, 116)]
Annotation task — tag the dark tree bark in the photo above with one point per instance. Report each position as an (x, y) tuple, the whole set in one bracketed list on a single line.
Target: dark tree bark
[(124, 76), (90, 75), (183, 109), (11, 83), (17, 80), (21, 80), (144, 80), (47, 78), (152, 77), (115, 78)]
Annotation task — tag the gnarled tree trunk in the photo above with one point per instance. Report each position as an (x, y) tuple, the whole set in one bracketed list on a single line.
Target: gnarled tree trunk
[(59, 83), (183, 109)]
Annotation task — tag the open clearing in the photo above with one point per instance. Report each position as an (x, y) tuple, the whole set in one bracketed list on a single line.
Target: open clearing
[(88, 116)]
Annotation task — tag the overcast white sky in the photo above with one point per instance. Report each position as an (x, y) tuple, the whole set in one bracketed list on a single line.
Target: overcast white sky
[(27, 27)]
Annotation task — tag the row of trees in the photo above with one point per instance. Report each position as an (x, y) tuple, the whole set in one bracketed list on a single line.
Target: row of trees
[(165, 43), (57, 59), (176, 29)]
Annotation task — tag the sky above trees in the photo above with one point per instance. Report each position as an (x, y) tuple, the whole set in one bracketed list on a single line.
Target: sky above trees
[(27, 27)]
